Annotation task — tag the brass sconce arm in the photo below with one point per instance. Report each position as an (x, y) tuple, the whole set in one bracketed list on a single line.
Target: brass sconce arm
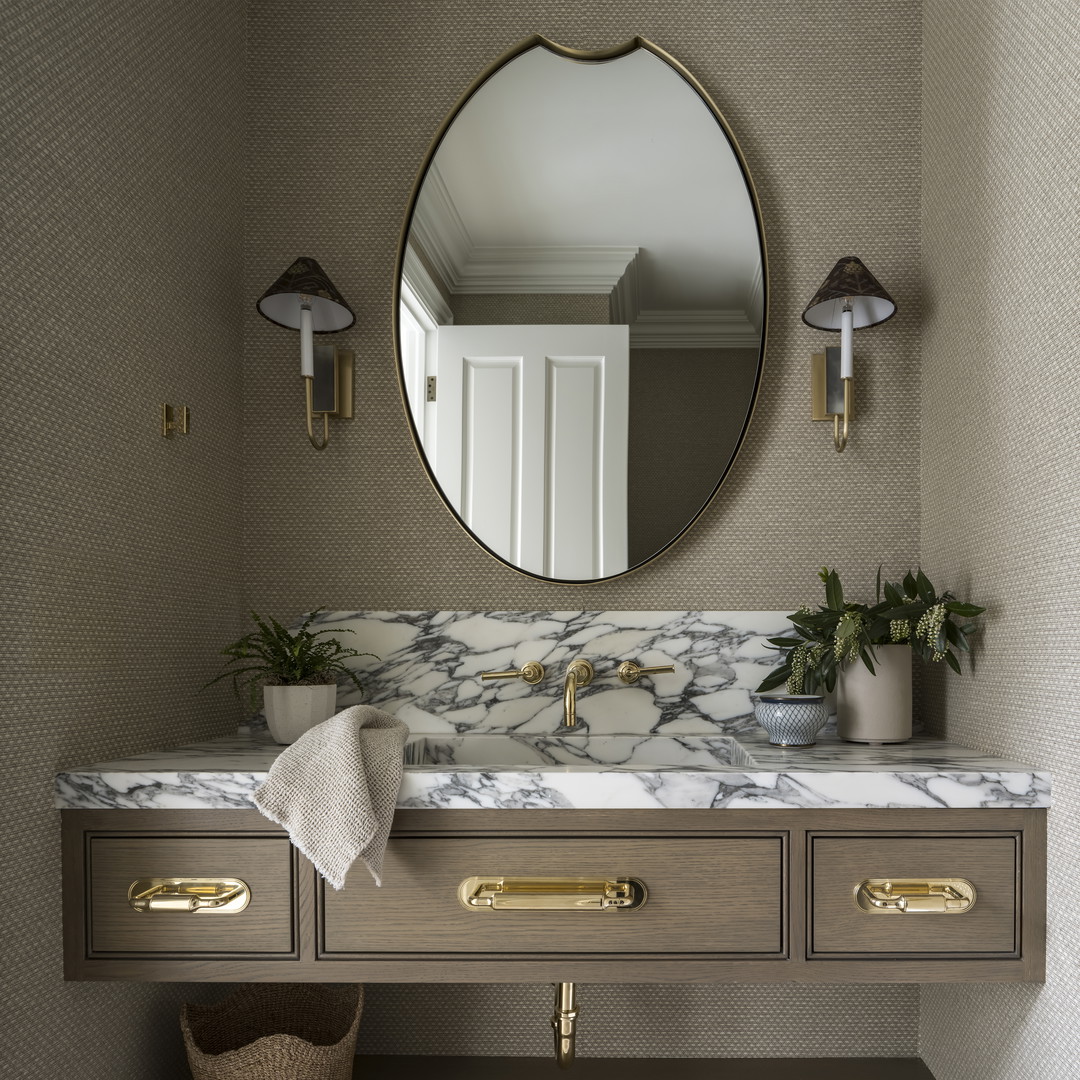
[(840, 438), (308, 380)]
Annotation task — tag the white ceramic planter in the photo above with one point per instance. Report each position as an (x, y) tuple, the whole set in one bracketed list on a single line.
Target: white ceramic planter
[(876, 708), (292, 710)]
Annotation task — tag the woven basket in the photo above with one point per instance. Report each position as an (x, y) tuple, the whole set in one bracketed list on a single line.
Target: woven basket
[(273, 1031)]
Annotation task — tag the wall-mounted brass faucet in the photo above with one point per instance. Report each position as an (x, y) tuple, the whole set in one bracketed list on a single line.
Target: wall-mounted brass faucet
[(531, 672), (630, 672), (579, 673)]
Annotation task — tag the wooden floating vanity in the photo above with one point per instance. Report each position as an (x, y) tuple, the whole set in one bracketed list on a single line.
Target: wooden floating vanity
[(732, 896), (707, 882)]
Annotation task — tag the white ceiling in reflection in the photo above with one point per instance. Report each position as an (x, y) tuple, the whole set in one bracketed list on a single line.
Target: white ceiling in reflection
[(603, 158)]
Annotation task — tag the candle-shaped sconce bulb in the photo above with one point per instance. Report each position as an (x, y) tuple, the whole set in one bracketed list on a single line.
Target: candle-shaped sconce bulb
[(847, 333), (307, 345)]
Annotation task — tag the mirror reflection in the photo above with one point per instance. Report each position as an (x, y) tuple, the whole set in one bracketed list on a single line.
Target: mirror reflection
[(581, 311)]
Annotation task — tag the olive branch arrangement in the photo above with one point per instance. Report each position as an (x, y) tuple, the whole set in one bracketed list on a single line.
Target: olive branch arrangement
[(272, 656), (910, 612)]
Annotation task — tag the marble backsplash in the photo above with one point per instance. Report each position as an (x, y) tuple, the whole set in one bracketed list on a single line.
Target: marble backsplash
[(429, 666)]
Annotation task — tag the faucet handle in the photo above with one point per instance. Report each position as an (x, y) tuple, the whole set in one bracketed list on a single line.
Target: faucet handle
[(630, 672), (532, 673)]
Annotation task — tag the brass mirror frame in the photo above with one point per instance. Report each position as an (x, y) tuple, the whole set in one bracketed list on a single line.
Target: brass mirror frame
[(587, 56)]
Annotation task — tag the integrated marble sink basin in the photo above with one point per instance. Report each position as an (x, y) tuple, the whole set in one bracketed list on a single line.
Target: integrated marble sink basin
[(647, 753)]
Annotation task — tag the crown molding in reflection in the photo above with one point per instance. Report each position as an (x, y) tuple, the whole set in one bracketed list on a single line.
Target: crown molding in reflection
[(718, 329), (468, 268), (439, 229), (416, 276), (525, 269), (625, 301)]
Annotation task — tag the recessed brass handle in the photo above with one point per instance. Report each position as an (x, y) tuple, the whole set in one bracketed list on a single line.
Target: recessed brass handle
[(222, 896), (551, 894), (532, 673), (933, 896), (630, 672)]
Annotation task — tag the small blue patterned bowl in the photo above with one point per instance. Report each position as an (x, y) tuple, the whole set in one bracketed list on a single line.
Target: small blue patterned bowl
[(792, 719)]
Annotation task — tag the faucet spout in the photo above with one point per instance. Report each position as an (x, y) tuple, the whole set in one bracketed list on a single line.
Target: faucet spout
[(579, 673)]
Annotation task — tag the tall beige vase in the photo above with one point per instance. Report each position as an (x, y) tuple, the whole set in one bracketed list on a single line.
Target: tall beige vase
[(292, 710), (876, 708)]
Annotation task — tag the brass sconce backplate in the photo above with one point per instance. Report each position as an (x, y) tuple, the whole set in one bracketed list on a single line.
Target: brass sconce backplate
[(332, 392), (826, 395)]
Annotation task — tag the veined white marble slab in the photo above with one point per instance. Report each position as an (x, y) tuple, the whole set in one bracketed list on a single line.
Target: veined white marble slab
[(429, 665), (924, 772)]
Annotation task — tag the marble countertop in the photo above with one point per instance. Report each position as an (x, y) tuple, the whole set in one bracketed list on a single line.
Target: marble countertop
[(923, 773)]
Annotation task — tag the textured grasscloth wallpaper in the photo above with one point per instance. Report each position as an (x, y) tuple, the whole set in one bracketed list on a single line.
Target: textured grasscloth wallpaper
[(343, 100), (120, 571), (682, 438), (344, 97), (1001, 495)]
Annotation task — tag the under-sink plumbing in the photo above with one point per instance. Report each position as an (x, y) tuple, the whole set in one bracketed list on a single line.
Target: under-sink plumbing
[(564, 1024)]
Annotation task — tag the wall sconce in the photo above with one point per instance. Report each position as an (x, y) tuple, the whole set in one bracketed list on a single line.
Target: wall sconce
[(849, 299), (305, 299)]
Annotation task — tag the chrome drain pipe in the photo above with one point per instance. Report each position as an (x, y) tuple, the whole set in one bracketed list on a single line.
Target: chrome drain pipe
[(564, 1024)]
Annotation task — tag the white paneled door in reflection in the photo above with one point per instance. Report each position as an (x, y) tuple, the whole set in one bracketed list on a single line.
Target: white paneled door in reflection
[(531, 442)]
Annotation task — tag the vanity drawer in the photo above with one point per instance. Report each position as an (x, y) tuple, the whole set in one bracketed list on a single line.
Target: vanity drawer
[(840, 927), (706, 896), (264, 864)]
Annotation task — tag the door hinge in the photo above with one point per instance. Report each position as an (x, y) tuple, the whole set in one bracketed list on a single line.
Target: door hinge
[(432, 380)]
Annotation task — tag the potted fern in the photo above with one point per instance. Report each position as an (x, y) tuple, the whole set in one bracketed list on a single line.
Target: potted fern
[(297, 671), (864, 651)]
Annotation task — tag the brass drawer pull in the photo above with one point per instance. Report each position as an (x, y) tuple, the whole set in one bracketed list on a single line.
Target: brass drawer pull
[(934, 896), (212, 895), (551, 894)]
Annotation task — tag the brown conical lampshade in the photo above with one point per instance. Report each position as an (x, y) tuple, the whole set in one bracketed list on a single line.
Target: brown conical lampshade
[(849, 280), (305, 277)]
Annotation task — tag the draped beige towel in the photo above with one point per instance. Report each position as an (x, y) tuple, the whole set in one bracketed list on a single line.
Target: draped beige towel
[(335, 790)]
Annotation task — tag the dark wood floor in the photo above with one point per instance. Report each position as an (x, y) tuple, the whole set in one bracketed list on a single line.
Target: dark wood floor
[(492, 1068)]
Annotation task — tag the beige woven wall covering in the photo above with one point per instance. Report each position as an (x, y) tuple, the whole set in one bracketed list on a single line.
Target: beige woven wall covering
[(342, 106), (343, 100), (1001, 494), (121, 199)]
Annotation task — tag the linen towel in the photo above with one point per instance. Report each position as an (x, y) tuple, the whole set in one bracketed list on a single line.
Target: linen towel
[(334, 790)]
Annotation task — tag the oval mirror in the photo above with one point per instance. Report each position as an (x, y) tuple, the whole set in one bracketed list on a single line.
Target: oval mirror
[(580, 308)]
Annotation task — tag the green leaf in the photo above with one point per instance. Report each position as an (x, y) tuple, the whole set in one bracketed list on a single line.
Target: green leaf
[(834, 593), (951, 660), (908, 611), (965, 611), (774, 679), (910, 588), (954, 636), (893, 595), (878, 594), (926, 590), (869, 664)]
